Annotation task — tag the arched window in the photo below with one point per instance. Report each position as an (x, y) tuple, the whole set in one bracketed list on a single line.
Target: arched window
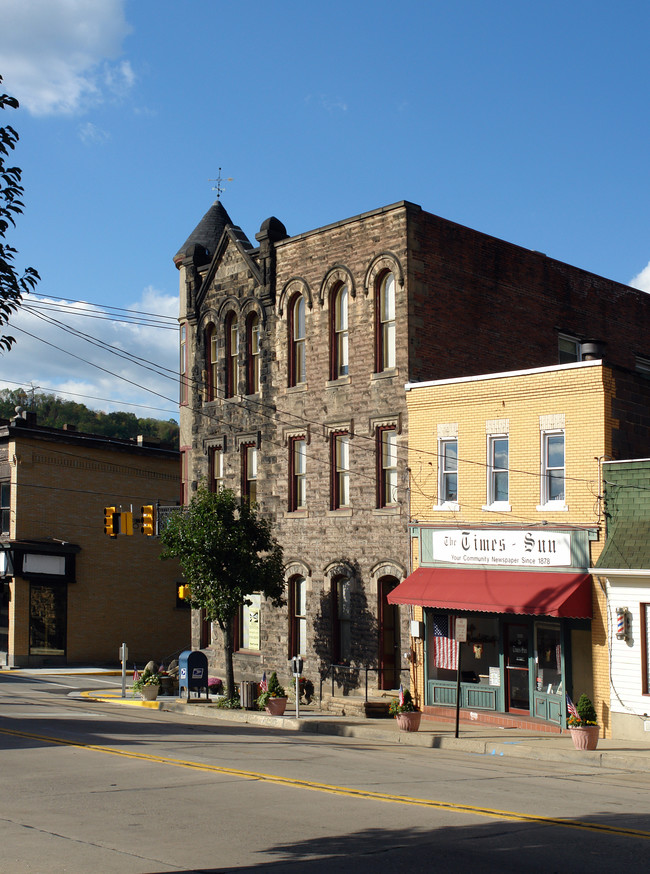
[(297, 616), (341, 620), (253, 353), (339, 332), (232, 355), (297, 356), (211, 362), (386, 322)]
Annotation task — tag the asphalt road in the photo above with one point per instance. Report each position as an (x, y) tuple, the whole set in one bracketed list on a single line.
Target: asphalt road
[(90, 787)]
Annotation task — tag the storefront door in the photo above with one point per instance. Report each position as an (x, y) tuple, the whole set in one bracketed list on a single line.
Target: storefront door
[(389, 637), (517, 670)]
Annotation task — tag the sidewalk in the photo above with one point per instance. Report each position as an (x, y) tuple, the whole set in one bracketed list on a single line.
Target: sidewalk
[(473, 738)]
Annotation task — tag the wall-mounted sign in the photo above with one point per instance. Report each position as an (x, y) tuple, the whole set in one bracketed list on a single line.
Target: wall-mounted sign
[(500, 547), (461, 629)]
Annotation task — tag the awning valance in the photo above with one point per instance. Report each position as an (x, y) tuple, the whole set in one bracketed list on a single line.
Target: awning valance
[(565, 595)]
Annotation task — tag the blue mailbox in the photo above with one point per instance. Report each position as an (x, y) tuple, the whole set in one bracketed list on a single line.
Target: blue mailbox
[(192, 672)]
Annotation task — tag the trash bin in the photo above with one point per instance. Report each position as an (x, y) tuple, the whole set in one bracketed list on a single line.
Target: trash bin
[(192, 672), (248, 695)]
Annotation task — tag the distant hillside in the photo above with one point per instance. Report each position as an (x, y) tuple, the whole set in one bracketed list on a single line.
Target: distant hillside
[(54, 412)]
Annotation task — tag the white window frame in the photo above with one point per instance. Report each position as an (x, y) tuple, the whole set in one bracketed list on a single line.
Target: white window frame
[(492, 471), (546, 503), (443, 474)]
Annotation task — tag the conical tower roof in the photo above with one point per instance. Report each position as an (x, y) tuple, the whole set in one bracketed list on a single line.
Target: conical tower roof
[(206, 234)]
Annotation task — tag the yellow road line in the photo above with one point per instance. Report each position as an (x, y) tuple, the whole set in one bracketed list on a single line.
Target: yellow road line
[(365, 794)]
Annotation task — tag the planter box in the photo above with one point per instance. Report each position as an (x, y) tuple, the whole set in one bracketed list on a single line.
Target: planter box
[(585, 737), (409, 721), (149, 693), (276, 706)]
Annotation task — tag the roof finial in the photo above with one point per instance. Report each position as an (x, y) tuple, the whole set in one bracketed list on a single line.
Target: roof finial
[(219, 188)]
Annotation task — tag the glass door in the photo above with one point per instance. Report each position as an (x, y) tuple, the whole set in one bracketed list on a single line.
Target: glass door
[(517, 667)]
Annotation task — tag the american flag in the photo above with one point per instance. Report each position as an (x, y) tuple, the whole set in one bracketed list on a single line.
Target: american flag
[(445, 648), (401, 695), (136, 674), (570, 706), (264, 686)]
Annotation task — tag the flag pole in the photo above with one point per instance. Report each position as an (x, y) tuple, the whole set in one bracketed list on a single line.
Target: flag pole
[(458, 688)]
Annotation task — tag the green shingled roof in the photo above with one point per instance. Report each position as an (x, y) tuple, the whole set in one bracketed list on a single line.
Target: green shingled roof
[(627, 504)]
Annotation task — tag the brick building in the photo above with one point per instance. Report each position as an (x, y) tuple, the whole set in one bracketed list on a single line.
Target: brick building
[(294, 357), (507, 521), (70, 594)]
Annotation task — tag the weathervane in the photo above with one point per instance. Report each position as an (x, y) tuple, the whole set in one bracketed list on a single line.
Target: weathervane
[(219, 188)]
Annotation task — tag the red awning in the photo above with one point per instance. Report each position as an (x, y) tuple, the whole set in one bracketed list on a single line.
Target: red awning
[(497, 591)]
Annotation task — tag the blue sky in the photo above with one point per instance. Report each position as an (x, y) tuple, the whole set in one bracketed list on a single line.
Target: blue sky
[(525, 121)]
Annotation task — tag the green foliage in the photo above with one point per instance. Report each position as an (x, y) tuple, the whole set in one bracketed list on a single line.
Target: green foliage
[(54, 412), (407, 707), (227, 552), (275, 690), (305, 688), (12, 284), (147, 678), (229, 703), (587, 711)]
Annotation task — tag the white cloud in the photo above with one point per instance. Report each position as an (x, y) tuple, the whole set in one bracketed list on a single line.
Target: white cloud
[(50, 358), (91, 134), (61, 56), (642, 279)]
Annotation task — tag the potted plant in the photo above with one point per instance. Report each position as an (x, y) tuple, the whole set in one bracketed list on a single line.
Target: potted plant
[(273, 699), (305, 689), (147, 684), (583, 723), (405, 712)]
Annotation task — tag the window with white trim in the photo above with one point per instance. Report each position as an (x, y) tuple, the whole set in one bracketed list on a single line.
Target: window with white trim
[(447, 471), (498, 465), (553, 470)]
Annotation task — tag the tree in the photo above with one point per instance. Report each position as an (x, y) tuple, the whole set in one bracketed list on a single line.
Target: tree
[(12, 284), (227, 551)]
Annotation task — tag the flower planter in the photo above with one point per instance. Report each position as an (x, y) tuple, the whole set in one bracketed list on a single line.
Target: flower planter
[(276, 706), (409, 721), (585, 737), (149, 693)]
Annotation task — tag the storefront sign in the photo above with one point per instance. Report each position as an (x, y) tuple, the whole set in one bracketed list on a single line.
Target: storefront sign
[(498, 547), (461, 629)]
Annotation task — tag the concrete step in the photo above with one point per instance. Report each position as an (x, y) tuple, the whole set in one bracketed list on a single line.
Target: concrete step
[(352, 705)]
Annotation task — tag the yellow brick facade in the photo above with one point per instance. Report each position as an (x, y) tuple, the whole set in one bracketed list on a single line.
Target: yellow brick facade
[(575, 397)]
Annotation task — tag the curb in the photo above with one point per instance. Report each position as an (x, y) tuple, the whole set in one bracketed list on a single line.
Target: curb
[(520, 748)]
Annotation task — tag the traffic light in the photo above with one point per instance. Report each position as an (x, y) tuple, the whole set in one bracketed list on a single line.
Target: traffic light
[(126, 522), (111, 523), (147, 520), (184, 593)]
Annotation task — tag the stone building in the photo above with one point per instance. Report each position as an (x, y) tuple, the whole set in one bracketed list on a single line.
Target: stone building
[(294, 356)]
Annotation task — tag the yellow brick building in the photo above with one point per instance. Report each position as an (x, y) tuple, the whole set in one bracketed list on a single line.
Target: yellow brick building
[(70, 593), (506, 520)]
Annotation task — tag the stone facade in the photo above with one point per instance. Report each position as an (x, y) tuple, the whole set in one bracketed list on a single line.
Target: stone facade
[(464, 303)]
